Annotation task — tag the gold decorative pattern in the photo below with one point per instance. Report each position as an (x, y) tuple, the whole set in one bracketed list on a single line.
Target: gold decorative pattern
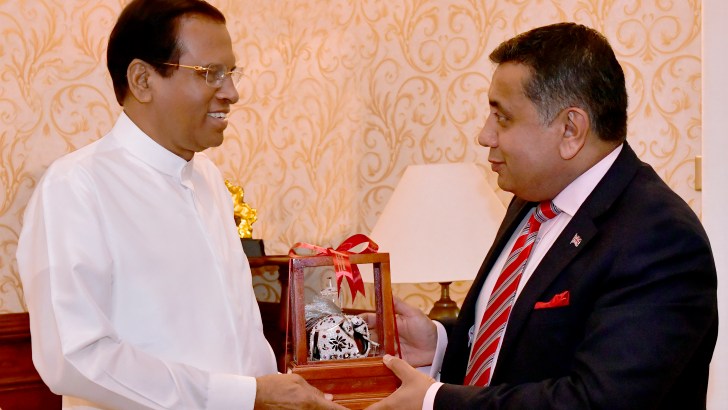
[(338, 98)]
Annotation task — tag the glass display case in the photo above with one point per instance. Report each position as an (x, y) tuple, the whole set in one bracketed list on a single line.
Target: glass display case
[(334, 348)]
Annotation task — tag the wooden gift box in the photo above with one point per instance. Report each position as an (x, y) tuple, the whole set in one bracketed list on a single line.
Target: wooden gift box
[(354, 383)]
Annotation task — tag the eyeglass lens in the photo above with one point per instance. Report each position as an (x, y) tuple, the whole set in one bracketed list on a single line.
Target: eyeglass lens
[(216, 75)]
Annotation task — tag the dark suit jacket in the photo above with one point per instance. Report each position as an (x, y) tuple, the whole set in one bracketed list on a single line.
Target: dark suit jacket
[(642, 320)]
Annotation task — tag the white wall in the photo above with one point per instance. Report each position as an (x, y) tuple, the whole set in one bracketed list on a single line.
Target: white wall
[(715, 171)]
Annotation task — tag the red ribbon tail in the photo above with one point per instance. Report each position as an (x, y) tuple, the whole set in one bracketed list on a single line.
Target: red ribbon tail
[(344, 268), (356, 283)]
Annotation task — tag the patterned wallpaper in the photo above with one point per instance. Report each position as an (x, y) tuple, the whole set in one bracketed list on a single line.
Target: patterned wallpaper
[(339, 97)]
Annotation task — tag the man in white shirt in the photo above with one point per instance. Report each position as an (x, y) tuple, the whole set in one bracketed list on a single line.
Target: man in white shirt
[(616, 306), (139, 294)]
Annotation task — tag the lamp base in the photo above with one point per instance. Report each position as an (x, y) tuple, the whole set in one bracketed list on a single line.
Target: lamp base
[(445, 309)]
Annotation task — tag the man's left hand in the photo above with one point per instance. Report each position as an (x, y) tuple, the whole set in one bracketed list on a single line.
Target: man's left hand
[(412, 391)]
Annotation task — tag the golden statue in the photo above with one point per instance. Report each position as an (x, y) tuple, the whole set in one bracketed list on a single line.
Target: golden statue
[(244, 215)]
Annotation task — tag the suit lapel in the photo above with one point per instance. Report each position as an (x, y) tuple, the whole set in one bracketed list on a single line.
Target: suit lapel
[(585, 225)]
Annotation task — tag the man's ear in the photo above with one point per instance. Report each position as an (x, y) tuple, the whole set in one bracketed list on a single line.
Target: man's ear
[(576, 129), (138, 77)]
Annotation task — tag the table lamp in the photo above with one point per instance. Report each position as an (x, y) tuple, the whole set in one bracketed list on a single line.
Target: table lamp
[(438, 226)]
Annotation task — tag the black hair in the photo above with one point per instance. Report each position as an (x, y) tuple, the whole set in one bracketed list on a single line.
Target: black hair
[(571, 66), (148, 30)]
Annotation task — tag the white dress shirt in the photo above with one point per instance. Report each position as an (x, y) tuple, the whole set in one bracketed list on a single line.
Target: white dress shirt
[(138, 290), (569, 200)]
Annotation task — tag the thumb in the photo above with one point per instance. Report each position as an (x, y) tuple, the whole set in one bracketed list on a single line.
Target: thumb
[(399, 367)]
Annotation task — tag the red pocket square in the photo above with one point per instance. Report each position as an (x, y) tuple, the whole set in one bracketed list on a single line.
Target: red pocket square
[(559, 300)]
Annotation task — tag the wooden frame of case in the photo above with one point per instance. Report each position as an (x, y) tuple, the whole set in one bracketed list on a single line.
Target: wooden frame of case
[(355, 383)]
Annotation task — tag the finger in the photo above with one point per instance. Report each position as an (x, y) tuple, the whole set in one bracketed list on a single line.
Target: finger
[(328, 403), (401, 307), (399, 367), (324, 400), (380, 405), (369, 318), (316, 392), (331, 405)]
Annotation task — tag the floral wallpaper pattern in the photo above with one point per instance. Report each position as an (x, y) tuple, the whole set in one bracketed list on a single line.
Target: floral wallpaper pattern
[(339, 97)]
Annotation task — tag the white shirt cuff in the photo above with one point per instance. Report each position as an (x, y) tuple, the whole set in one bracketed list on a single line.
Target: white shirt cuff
[(429, 402), (229, 391), (439, 351)]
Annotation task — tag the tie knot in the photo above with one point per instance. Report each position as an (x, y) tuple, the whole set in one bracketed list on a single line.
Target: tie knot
[(546, 210)]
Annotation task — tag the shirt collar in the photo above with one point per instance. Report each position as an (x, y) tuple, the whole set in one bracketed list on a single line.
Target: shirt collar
[(570, 198), (142, 146)]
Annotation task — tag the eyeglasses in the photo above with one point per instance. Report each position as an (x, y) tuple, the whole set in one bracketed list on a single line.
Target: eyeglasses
[(214, 73)]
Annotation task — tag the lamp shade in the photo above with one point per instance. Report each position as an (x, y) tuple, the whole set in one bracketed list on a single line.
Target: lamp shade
[(438, 224)]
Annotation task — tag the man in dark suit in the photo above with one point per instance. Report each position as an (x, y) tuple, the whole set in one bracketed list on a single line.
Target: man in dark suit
[(616, 305)]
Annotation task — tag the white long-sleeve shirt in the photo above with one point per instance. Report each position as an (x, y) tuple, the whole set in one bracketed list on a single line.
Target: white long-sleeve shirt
[(138, 290)]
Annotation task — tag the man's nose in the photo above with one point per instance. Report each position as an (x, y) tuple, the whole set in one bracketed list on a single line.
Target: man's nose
[(228, 91), (487, 136)]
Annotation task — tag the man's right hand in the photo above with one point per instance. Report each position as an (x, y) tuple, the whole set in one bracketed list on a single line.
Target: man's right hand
[(290, 391), (417, 333)]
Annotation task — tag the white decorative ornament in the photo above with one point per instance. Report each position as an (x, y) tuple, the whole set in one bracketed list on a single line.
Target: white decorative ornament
[(333, 335)]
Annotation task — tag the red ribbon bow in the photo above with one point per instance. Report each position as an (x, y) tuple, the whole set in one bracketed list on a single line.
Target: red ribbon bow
[(342, 264)]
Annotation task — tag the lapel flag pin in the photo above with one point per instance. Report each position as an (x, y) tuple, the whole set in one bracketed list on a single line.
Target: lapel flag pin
[(576, 240)]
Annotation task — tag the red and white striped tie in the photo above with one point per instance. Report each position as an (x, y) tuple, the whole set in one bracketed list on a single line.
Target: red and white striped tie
[(493, 323)]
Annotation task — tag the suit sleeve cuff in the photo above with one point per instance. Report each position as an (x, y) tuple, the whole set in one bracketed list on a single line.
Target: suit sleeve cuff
[(229, 391)]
